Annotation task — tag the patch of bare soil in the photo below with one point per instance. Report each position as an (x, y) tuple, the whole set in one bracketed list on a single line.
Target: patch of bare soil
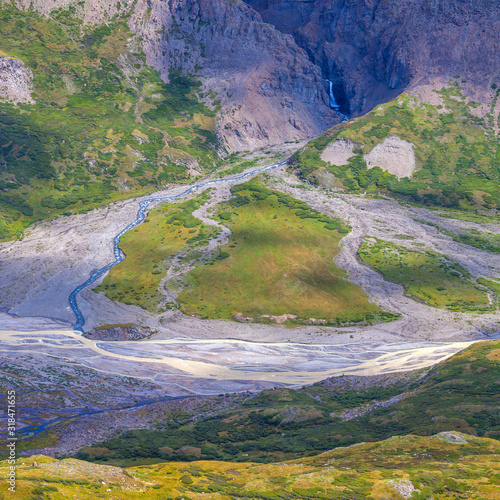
[(338, 152), (393, 155)]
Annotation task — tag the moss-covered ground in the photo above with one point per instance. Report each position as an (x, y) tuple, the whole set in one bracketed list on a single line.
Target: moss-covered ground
[(427, 275), (278, 260)]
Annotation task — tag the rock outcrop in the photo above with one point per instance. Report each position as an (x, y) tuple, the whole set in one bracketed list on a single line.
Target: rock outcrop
[(115, 333), (269, 90), (15, 81), (394, 155), (372, 49), (338, 152)]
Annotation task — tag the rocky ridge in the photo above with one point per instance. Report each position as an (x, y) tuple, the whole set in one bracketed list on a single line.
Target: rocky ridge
[(126, 331)]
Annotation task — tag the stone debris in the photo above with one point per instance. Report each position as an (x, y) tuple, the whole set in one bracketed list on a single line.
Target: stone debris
[(393, 155), (452, 437), (15, 81), (403, 486)]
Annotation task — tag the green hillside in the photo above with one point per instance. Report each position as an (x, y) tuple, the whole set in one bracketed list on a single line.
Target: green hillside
[(446, 466), (457, 152), (104, 124), (428, 276)]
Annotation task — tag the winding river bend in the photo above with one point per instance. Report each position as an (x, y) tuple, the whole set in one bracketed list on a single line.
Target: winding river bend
[(141, 216)]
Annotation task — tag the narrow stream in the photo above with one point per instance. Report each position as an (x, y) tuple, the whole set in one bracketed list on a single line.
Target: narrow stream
[(141, 216)]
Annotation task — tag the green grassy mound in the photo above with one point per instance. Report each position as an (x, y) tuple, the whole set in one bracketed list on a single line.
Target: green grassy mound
[(104, 122), (457, 153), (278, 261), (426, 275)]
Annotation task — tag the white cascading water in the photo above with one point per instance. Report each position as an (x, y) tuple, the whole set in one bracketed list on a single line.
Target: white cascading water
[(333, 102)]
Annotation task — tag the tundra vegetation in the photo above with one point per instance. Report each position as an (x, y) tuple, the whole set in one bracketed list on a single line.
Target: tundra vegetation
[(445, 466), (104, 125), (427, 275), (278, 261), (457, 152)]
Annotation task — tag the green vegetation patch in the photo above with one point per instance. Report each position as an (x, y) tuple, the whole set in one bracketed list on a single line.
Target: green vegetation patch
[(167, 231), (479, 239), (103, 121), (426, 275), (457, 153), (445, 466), (278, 260)]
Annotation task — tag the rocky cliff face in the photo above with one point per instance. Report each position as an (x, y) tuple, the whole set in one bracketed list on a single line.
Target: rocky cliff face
[(269, 90), (373, 49), (269, 60), (15, 81)]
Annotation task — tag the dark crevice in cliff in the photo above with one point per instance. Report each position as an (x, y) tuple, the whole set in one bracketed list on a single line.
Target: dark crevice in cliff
[(373, 51), (329, 73)]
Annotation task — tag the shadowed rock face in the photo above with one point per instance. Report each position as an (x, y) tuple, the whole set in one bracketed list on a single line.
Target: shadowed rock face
[(269, 89), (373, 49)]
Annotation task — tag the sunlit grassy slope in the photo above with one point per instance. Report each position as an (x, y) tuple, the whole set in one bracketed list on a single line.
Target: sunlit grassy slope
[(442, 467), (167, 231), (103, 121), (427, 275), (457, 153), (278, 260)]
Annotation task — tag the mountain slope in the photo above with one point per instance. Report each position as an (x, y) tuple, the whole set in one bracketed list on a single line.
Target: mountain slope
[(445, 466), (440, 153), (374, 50), (125, 97), (268, 89)]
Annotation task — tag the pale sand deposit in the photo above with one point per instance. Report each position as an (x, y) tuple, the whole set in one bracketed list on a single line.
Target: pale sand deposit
[(224, 362)]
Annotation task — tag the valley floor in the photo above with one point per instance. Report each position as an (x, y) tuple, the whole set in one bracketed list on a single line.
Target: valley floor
[(187, 356), (39, 272)]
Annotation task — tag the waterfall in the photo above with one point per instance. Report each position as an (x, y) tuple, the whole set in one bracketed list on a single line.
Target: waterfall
[(333, 102)]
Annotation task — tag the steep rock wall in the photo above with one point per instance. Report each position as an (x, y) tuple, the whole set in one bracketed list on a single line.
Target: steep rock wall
[(374, 49)]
